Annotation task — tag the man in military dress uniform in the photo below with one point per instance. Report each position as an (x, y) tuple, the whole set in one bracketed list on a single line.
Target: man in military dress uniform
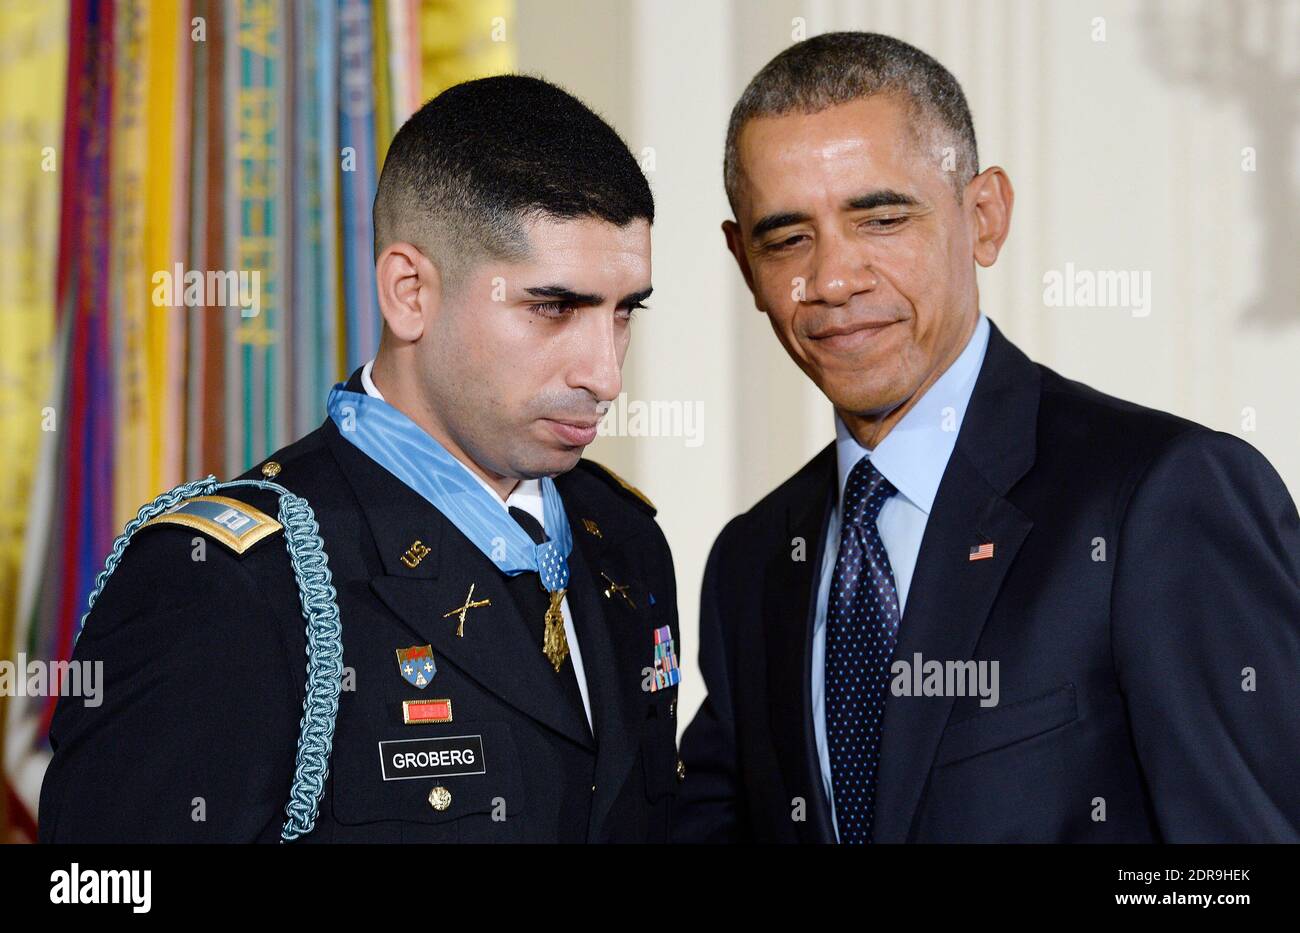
[(508, 610)]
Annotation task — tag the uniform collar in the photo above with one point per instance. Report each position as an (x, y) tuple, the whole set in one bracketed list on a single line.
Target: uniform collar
[(914, 455), (527, 495)]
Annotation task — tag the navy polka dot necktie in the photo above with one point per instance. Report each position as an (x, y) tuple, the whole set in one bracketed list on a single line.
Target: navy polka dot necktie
[(861, 628)]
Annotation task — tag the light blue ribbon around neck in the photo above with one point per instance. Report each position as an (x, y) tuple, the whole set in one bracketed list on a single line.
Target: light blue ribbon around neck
[(406, 450)]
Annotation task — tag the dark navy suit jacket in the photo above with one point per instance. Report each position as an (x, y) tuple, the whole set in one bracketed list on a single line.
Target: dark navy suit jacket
[(1147, 696)]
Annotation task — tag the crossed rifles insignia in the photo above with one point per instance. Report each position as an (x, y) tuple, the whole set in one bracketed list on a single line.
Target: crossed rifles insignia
[(461, 611), (616, 588)]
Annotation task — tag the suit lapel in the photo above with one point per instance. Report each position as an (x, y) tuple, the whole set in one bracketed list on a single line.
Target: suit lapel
[(950, 595), (947, 606), (789, 607), (496, 648)]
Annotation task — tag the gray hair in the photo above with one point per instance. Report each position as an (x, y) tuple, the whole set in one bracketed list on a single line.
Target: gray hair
[(839, 67)]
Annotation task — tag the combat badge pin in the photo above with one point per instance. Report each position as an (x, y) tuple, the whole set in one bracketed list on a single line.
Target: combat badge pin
[(416, 666)]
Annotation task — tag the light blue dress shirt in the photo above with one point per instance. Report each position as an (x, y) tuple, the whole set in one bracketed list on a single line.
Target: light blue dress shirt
[(913, 456)]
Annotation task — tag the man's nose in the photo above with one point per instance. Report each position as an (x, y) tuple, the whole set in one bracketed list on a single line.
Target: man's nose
[(597, 364), (841, 270)]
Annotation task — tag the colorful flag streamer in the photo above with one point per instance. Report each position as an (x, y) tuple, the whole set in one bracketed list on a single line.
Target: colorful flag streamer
[(193, 267)]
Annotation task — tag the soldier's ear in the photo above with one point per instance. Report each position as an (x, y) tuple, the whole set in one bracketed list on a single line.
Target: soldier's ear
[(409, 288)]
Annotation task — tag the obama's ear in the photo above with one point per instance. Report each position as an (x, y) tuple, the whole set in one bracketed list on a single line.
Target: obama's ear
[(991, 199), (736, 246), (409, 288)]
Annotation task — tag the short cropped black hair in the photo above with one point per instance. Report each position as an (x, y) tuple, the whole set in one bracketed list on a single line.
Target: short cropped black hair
[(473, 163)]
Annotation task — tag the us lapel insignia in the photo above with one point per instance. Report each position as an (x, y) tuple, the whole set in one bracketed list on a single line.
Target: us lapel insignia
[(417, 552), (619, 588), (667, 673), (592, 527), (461, 611), (417, 712), (416, 665), (982, 552)]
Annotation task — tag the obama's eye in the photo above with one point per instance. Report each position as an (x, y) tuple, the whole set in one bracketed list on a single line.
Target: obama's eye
[(788, 243)]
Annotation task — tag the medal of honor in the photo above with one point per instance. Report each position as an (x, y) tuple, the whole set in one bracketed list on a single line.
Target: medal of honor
[(555, 643)]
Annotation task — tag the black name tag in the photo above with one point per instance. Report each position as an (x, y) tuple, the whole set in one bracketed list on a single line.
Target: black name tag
[(403, 759)]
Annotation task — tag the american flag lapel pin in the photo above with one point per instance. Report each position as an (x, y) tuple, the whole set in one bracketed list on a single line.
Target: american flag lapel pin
[(982, 551)]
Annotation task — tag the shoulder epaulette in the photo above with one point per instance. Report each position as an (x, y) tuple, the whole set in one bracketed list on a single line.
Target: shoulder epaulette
[(235, 524), (609, 476), (239, 526)]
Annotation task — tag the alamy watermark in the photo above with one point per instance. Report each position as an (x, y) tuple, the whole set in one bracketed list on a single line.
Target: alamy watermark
[(657, 418), (921, 678), (1123, 289), (217, 288), (37, 678), (76, 885)]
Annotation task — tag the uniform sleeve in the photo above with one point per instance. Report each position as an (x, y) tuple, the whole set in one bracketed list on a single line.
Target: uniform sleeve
[(193, 735), (708, 809), (1206, 616)]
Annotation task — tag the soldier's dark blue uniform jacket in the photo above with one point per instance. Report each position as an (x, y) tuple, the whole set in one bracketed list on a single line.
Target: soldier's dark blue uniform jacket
[(205, 665)]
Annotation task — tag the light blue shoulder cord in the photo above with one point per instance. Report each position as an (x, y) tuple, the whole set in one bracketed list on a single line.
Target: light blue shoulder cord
[(324, 634)]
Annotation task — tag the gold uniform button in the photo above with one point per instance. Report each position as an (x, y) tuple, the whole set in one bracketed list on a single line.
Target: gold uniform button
[(681, 770), (270, 469), (440, 798)]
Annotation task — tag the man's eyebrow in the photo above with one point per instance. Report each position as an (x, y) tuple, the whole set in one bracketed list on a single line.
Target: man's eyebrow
[(635, 298), (883, 197), (585, 299), (777, 221)]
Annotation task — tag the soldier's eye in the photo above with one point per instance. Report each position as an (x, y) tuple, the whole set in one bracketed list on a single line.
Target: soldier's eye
[(553, 309)]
